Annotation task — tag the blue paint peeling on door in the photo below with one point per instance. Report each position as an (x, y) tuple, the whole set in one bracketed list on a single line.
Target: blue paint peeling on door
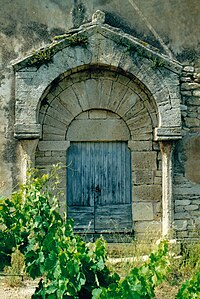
[(99, 186)]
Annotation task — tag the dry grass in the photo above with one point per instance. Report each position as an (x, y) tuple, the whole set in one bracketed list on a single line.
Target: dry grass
[(122, 257)]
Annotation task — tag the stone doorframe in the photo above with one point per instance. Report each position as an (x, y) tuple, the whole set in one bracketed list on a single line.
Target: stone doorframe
[(97, 43)]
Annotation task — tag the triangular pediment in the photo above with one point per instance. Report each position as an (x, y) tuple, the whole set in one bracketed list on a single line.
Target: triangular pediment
[(99, 45), (93, 34)]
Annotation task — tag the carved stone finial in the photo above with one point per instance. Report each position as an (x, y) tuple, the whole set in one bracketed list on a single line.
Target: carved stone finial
[(98, 17)]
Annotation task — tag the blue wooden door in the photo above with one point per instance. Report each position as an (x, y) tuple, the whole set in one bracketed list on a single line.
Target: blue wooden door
[(99, 186)]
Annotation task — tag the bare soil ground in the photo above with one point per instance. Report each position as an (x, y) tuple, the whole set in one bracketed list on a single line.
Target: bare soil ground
[(24, 291), (27, 288)]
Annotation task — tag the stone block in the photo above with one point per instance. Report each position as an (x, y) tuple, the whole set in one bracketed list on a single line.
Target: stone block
[(117, 94), (180, 225), (147, 227), (182, 215), (192, 165), (186, 93), (188, 68), (79, 89), (182, 234), (142, 136), (147, 160), (70, 101), (186, 79), (48, 120), (98, 130), (142, 211), (196, 93), (58, 153), (99, 114), (83, 115), (53, 137), (47, 154), (43, 161), (183, 202), (192, 122), (157, 180), (53, 130), (148, 192), (166, 133), (195, 213), (27, 131), (141, 177), (129, 100), (193, 101), (139, 121), (179, 209), (191, 207), (65, 83), (53, 145), (189, 86), (92, 89), (145, 145)]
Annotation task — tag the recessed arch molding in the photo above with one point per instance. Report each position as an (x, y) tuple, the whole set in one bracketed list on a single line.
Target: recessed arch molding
[(100, 45)]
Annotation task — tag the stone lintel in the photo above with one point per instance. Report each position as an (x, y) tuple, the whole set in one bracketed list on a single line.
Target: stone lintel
[(27, 131), (53, 145), (98, 130), (170, 133)]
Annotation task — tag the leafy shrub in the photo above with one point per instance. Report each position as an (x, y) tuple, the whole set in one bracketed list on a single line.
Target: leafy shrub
[(191, 288), (67, 266)]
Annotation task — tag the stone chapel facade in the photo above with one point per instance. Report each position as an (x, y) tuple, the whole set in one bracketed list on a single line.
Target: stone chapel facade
[(123, 119)]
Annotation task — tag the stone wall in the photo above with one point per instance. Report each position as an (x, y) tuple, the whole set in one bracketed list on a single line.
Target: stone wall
[(29, 25), (187, 159), (69, 113)]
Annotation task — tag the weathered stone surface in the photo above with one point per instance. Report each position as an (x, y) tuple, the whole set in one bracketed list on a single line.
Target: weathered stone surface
[(196, 93), (142, 90), (180, 225), (148, 227), (164, 133), (188, 68), (145, 160), (183, 215), (191, 207), (142, 211), (147, 193), (53, 145), (192, 166), (142, 177), (184, 202), (145, 145), (43, 161), (27, 131), (100, 114), (190, 86), (98, 130)]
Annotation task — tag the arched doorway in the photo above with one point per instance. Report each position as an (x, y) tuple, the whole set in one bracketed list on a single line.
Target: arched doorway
[(106, 72), (99, 195), (99, 187)]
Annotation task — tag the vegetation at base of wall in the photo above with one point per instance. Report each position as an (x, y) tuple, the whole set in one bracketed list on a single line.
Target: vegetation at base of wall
[(67, 266)]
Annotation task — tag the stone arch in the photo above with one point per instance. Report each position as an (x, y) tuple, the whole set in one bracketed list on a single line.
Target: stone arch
[(123, 106), (96, 88), (150, 89), (98, 44)]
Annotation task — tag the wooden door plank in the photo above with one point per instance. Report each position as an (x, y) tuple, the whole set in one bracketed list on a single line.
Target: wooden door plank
[(113, 218)]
